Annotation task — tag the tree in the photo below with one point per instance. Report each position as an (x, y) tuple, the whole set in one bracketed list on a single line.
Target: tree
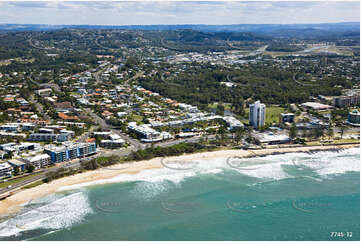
[(30, 168), (293, 131), (16, 171), (330, 132), (342, 129), (238, 137)]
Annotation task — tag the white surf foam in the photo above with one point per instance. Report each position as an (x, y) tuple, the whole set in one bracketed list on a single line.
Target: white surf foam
[(61, 212), (265, 168)]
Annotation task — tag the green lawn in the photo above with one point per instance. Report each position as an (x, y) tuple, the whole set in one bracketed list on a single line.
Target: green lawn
[(272, 113), (214, 105), (340, 141), (37, 183)]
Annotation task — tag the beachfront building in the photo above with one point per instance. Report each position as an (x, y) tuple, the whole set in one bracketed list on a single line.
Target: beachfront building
[(257, 114), (148, 134), (5, 169), (70, 151), (38, 161)]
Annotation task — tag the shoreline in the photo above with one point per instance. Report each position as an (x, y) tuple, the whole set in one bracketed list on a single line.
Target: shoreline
[(13, 204)]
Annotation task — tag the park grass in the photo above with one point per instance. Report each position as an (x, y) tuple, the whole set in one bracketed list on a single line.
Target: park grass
[(339, 141), (37, 183), (227, 106), (14, 181), (272, 114)]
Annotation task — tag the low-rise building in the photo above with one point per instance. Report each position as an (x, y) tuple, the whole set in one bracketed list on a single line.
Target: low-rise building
[(233, 122), (315, 106), (148, 134), (112, 143), (38, 161), (5, 169), (17, 164), (271, 138), (287, 117), (50, 137), (13, 127)]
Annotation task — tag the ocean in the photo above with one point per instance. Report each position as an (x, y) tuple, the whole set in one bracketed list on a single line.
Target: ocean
[(295, 196)]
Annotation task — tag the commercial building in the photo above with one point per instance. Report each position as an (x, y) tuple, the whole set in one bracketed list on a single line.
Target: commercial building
[(70, 151), (271, 138), (38, 161), (354, 118), (17, 164), (287, 117), (315, 106), (257, 114)]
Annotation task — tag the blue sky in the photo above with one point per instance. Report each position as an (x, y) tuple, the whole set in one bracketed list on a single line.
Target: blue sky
[(177, 12)]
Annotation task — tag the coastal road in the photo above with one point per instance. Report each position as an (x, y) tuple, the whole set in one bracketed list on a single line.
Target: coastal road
[(21, 184)]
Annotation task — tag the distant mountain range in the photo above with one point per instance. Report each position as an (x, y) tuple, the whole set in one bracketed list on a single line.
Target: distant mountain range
[(274, 30)]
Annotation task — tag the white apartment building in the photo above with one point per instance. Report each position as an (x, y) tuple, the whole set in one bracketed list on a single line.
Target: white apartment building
[(5, 169), (257, 114), (38, 161)]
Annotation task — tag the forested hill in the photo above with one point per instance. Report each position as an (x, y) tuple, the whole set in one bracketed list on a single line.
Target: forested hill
[(274, 30)]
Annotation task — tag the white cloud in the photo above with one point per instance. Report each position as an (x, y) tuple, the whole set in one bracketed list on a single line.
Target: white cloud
[(176, 12)]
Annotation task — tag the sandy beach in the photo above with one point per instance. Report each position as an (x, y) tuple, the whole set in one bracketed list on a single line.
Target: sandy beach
[(12, 204)]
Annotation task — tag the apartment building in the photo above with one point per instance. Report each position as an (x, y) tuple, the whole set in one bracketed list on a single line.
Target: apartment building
[(5, 169), (38, 161), (287, 117), (50, 137), (257, 114), (70, 151)]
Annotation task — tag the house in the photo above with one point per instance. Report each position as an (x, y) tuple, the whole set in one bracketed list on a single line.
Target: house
[(66, 117), (63, 105)]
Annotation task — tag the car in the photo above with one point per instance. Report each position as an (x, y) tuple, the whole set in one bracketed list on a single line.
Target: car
[(10, 186)]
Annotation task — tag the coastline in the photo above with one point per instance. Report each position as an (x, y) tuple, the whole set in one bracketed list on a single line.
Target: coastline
[(13, 204)]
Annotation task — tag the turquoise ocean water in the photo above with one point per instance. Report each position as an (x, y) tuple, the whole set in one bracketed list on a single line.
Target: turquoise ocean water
[(294, 196)]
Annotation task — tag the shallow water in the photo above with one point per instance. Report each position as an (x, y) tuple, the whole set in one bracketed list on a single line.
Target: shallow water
[(295, 196)]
